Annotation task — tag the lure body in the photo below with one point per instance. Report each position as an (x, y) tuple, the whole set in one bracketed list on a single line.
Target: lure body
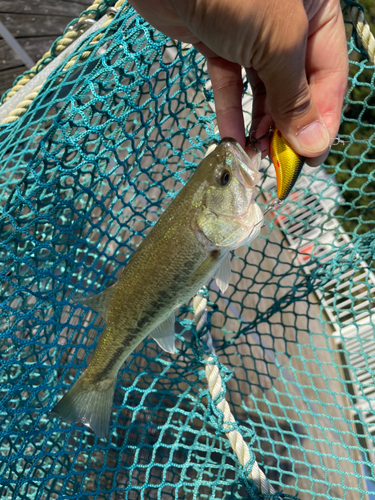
[(288, 164)]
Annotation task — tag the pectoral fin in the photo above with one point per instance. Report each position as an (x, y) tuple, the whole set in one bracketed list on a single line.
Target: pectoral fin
[(223, 274), (164, 334), (100, 301)]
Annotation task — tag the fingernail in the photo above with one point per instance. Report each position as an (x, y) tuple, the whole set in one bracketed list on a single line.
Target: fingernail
[(314, 138)]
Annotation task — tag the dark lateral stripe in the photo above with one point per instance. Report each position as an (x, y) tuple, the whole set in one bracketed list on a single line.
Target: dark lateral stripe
[(165, 297)]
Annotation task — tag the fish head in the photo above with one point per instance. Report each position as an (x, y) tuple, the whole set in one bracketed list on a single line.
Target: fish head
[(230, 217)]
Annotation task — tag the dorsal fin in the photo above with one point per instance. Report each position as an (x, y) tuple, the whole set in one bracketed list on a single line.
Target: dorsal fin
[(100, 301)]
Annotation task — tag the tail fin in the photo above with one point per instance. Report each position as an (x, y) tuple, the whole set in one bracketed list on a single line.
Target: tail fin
[(88, 403)]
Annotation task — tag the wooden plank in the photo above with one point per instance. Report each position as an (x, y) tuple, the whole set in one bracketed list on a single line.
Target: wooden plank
[(10, 63), (36, 47), (8, 58), (85, 3), (43, 8), (15, 46), (8, 76), (44, 73), (27, 25), (35, 25)]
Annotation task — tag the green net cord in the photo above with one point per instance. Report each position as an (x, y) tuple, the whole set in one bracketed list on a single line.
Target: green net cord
[(104, 147)]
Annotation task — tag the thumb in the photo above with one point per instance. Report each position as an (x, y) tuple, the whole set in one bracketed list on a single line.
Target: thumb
[(291, 102)]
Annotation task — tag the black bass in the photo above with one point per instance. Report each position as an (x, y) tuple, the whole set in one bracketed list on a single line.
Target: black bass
[(214, 213)]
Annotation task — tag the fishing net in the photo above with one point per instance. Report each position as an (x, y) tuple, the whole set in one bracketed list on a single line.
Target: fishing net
[(86, 170)]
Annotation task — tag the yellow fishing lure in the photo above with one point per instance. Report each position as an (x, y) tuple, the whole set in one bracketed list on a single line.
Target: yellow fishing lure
[(288, 164)]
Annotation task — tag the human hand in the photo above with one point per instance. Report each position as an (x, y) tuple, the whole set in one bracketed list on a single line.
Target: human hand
[(295, 56)]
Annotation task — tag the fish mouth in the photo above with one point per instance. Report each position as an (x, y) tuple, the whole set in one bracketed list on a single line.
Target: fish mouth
[(248, 167), (235, 147)]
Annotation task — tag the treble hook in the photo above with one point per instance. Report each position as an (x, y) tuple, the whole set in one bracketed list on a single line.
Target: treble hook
[(251, 141), (271, 206)]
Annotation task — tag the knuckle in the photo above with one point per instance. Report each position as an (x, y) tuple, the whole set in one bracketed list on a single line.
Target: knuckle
[(296, 106), (229, 85)]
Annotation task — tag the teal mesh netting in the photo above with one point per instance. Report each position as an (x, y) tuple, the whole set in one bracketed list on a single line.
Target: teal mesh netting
[(85, 173)]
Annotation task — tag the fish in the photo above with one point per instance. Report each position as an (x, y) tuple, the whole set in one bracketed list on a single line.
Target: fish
[(214, 213), (288, 164)]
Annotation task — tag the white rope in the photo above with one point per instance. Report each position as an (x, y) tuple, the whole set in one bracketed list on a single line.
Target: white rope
[(364, 31), (215, 386)]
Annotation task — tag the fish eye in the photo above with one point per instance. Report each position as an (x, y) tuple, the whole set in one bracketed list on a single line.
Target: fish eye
[(225, 177)]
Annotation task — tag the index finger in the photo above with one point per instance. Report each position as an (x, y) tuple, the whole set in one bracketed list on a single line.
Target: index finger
[(227, 87)]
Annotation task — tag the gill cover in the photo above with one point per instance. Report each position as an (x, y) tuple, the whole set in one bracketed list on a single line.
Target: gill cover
[(288, 164), (229, 216)]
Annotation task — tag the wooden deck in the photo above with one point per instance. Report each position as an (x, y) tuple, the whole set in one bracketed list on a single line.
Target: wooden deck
[(35, 24)]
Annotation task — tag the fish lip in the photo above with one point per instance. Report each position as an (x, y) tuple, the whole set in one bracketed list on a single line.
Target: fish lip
[(246, 163), (232, 143), (228, 139)]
